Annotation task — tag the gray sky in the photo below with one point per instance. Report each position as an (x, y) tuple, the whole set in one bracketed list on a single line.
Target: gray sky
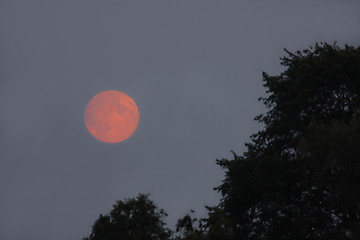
[(193, 68)]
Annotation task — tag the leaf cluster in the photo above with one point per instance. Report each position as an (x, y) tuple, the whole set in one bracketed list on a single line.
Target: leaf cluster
[(278, 184), (133, 219)]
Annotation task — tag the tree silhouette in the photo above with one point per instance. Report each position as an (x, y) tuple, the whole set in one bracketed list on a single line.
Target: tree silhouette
[(299, 177), (133, 219)]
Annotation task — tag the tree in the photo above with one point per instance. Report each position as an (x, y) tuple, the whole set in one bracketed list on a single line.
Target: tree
[(133, 219), (298, 179), (331, 158), (189, 228)]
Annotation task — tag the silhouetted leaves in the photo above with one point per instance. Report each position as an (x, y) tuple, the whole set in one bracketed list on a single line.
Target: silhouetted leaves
[(133, 219), (298, 179)]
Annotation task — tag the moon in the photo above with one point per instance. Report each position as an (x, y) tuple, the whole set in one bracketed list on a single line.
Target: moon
[(111, 116)]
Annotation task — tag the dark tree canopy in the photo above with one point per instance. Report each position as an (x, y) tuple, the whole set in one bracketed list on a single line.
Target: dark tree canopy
[(189, 228), (299, 178), (133, 219)]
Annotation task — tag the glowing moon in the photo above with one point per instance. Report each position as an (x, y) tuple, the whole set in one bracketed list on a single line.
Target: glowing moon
[(111, 116)]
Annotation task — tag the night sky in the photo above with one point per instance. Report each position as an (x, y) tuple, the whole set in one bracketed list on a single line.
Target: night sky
[(193, 67)]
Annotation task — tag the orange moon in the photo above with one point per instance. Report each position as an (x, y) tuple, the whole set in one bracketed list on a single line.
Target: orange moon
[(111, 116)]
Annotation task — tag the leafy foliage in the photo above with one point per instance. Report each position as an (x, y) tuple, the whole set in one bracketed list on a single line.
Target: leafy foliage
[(330, 161), (285, 186), (189, 228), (133, 219)]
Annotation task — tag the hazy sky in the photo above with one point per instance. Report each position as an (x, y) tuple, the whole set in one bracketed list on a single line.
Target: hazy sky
[(193, 68)]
